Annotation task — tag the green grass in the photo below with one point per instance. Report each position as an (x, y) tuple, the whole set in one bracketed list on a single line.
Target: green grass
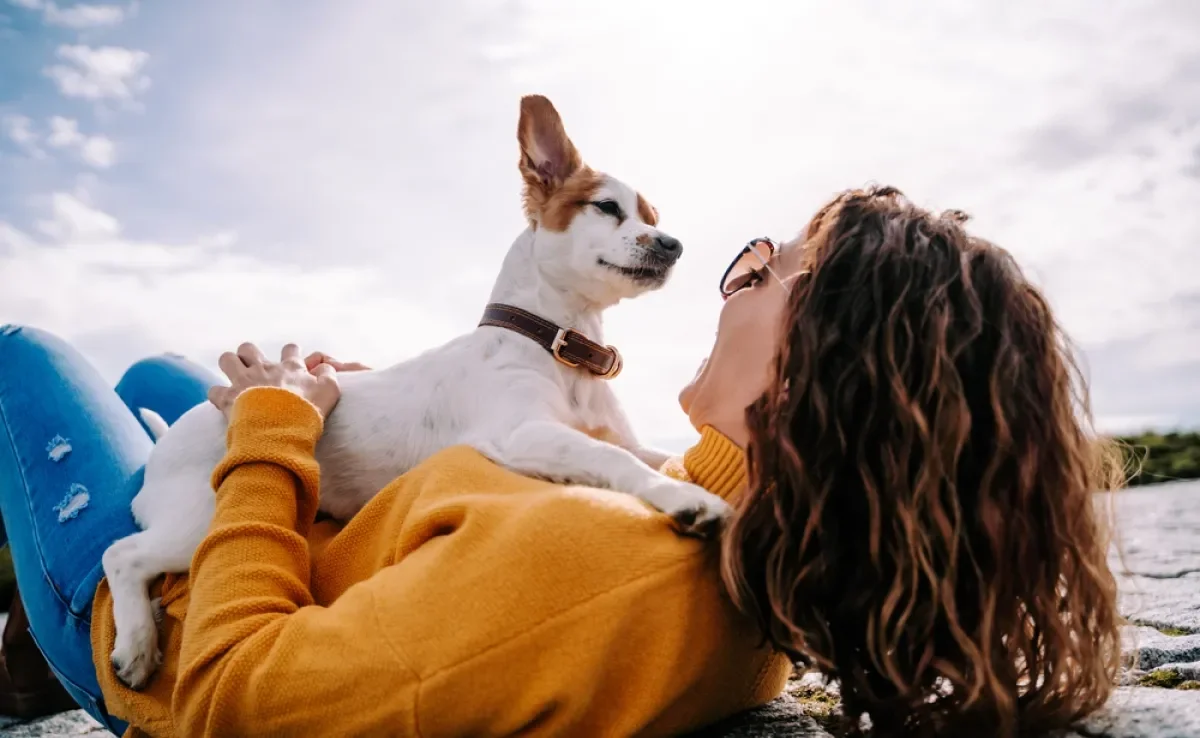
[(1163, 457), (821, 706), (1164, 679), (1173, 631)]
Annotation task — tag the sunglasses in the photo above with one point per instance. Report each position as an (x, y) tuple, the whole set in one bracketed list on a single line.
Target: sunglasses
[(748, 268)]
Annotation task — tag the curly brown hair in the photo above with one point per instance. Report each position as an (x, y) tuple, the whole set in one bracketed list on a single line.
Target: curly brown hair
[(919, 523)]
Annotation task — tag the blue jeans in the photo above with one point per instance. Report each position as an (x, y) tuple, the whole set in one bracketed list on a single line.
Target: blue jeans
[(72, 451)]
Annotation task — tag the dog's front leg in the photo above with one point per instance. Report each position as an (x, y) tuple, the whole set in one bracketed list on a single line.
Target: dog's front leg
[(651, 457), (554, 451), (606, 406)]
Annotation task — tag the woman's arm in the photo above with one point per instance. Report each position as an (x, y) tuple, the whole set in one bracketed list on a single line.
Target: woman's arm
[(258, 657)]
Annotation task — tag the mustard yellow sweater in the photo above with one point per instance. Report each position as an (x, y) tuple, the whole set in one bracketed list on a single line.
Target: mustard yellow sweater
[(464, 600)]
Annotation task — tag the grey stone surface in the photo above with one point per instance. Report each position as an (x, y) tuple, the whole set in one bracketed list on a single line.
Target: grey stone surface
[(68, 724), (1158, 543), (1143, 712), (1149, 649), (783, 717), (1159, 551)]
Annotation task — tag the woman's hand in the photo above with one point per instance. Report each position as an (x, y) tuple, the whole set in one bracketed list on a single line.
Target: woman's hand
[(248, 367), (317, 358)]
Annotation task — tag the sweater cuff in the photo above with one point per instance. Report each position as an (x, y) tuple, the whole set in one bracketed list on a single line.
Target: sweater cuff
[(716, 464), (275, 413), (274, 425)]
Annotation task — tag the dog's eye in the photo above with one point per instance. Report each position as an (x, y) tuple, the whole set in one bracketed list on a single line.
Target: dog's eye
[(609, 207)]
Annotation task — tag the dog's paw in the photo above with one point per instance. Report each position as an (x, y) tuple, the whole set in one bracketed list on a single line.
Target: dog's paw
[(695, 511), (135, 657)]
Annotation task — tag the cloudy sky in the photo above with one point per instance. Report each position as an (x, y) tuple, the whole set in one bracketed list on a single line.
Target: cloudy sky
[(185, 176)]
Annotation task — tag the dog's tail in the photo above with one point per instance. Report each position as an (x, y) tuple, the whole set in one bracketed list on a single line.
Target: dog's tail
[(154, 421)]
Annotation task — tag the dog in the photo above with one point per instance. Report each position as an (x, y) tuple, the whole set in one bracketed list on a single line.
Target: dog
[(527, 388)]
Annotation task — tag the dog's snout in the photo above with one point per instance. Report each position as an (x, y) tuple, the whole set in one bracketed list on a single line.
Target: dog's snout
[(668, 247)]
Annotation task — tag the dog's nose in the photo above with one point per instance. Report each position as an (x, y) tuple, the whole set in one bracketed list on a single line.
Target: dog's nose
[(667, 247)]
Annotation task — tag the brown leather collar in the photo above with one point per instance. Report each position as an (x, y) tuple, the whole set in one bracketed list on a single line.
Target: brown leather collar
[(568, 346)]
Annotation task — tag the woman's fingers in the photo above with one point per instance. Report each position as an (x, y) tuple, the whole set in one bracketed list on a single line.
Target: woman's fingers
[(248, 368), (316, 358), (250, 354), (291, 353), (324, 370), (231, 364), (220, 396)]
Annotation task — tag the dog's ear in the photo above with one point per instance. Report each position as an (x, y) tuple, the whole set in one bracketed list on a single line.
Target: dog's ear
[(548, 157)]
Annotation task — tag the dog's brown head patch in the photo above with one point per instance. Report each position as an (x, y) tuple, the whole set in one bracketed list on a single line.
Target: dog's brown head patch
[(557, 182), (646, 211), (549, 161), (557, 210)]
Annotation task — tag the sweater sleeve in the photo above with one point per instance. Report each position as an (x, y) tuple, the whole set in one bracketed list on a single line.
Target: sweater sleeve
[(257, 656), (715, 463)]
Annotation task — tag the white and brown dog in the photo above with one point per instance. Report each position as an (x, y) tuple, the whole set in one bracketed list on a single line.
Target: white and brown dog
[(526, 388)]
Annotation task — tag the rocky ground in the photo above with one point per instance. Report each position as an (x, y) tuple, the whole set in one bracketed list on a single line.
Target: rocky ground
[(1160, 536)]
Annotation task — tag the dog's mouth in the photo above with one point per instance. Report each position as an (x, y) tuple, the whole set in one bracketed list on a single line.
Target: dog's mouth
[(641, 274)]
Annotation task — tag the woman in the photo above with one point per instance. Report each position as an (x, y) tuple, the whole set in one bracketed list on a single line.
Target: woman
[(888, 403), (918, 522)]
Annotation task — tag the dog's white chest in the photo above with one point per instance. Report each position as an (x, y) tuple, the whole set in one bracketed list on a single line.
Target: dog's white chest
[(593, 407), (478, 387)]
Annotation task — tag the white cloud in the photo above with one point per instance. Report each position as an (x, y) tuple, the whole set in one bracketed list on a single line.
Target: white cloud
[(1120, 425), (83, 16), (1070, 134), (79, 16), (64, 132), (946, 101), (107, 72), (98, 151), (76, 221), (125, 297), (19, 130)]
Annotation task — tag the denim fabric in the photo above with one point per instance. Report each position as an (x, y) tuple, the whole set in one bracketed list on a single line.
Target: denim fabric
[(71, 459)]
